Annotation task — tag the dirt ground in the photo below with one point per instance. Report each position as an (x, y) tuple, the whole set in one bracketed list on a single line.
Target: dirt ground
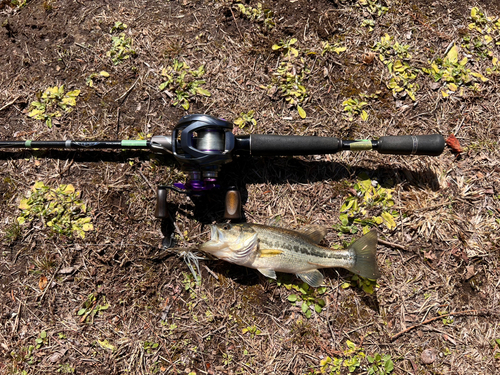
[(115, 301)]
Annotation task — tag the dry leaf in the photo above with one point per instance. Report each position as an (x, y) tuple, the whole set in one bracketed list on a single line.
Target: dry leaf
[(368, 58), (42, 283), (470, 272), (453, 143)]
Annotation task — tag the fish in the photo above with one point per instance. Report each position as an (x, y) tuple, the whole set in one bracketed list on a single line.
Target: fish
[(273, 249)]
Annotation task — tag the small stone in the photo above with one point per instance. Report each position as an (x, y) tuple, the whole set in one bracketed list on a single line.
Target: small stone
[(435, 86), (428, 356)]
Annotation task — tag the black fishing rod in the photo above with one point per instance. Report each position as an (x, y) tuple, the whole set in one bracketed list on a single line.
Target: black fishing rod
[(202, 144)]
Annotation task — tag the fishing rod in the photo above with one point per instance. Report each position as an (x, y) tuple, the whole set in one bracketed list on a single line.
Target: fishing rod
[(201, 144)]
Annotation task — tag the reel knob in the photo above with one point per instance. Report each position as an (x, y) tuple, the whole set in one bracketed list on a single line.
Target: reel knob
[(161, 203), (232, 204)]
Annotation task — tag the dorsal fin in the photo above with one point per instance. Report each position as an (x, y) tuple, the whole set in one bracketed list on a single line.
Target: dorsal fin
[(314, 232)]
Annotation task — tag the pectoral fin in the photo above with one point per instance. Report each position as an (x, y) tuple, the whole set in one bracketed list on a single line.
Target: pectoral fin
[(267, 273), (314, 278), (264, 253)]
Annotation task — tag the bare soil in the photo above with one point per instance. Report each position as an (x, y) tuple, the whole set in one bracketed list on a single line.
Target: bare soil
[(440, 264)]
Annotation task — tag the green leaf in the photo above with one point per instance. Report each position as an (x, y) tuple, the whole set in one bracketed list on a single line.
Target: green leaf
[(389, 366), (185, 105), (204, 92), (43, 334), (302, 113), (304, 307), (292, 297)]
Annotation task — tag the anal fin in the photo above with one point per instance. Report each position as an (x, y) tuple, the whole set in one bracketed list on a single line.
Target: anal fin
[(314, 278), (267, 272)]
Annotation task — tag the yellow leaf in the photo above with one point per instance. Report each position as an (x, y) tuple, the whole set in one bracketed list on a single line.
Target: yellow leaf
[(364, 115), (35, 113), (488, 39), (68, 189), (302, 113), (388, 220), (105, 74), (87, 227), (452, 55), (452, 87), (445, 94), (69, 101), (106, 345), (463, 61), (38, 185), (480, 76), (23, 205)]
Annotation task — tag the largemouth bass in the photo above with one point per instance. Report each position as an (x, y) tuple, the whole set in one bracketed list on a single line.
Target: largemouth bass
[(273, 249)]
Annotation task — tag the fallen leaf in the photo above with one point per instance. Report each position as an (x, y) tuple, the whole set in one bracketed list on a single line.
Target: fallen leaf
[(470, 272), (453, 143), (368, 58), (42, 283)]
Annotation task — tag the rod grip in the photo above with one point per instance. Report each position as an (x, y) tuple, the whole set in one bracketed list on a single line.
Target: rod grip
[(431, 145), (288, 145)]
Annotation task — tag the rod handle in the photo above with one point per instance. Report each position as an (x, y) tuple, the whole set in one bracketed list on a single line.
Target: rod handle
[(432, 145), (286, 145)]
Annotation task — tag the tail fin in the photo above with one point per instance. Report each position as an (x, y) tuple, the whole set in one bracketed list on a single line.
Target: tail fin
[(365, 250)]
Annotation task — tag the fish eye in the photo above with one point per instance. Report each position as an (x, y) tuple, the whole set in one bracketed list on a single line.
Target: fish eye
[(226, 227)]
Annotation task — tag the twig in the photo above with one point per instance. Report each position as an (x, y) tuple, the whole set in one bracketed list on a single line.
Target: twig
[(125, 94), (391, 244), (236, 23), (458, 313), (16, 324), (10, 103)]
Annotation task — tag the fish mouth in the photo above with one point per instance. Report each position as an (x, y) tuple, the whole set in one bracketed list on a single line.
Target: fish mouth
[(216, 240), (214, 233)]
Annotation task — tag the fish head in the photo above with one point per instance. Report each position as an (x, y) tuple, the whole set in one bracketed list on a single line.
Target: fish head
[(231, 242)]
